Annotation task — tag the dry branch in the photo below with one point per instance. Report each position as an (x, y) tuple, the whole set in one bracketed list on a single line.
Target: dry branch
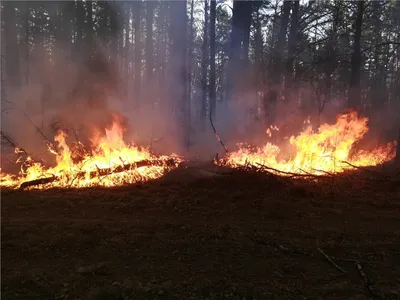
[(104, 171), (216, 133), (367, 282), (47, 140), (11, 141), (330, 260)]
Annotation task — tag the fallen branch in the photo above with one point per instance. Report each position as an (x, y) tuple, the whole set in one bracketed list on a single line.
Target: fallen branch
[(103, 172), (45, 180), (216, 133), (367, 282), (290, 174), (330, 260)]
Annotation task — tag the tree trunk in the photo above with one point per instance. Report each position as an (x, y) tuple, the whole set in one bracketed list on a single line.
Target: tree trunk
[(149, 40), (138, 55), (204, 67), (127, 60), (246, 16), (276, 70), (25, 53), (190, 54), (354, 100), (177, 66), (240, 30), (163, 48), (11, 56), (212, 84), (292, 42)]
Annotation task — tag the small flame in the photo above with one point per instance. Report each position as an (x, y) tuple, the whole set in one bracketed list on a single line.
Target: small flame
[(318, 152), (109, 151)]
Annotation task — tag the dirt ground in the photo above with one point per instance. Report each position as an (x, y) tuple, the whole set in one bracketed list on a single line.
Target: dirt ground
[(228, 236)]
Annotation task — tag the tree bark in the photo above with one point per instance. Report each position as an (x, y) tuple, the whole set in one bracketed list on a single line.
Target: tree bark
[(177, 66), (191, 41), (292, 42), (11, 45), (138, 54), (354, 100), (240, 30), (204, 67), (212, 85), (149, 40), (246, 16), (277, 66)]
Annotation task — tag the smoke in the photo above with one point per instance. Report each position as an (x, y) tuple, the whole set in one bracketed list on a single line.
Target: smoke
[(82, 93)]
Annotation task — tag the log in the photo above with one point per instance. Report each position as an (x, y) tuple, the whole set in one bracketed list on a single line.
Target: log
[(103, 172), (37, 182)]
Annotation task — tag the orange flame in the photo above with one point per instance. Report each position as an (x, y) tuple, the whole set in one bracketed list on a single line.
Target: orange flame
[(318, 152), (110, 151)]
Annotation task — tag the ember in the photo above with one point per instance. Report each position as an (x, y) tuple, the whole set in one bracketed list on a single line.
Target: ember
[(111, 162), (328, 150)]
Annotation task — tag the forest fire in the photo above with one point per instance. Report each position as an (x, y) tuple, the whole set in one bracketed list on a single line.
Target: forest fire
[(330, 150), (109, 162)]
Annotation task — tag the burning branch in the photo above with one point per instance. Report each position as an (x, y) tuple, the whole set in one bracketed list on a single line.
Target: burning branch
[(103, 172)]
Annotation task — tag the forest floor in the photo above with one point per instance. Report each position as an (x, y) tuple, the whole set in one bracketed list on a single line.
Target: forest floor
[(235, 235)]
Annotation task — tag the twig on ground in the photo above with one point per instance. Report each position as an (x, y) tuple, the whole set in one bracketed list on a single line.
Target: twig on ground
[(216, 133), (367, 282), (291, 174), (330, 260)]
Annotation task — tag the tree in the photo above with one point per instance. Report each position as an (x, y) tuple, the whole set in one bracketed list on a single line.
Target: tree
[(270, 101), (292, 43), (212, 91), (149, 40), (354, 100), (177, 66), (204, 65), (138, 54), (11, 44), (239, 42)]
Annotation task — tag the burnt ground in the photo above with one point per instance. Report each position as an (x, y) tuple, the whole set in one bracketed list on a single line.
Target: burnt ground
[(232, 236)]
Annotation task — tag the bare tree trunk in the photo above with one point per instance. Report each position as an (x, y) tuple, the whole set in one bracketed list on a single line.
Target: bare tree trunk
[(277, 66), (234, 49), (127, 59), (138, 55), (149, 40), (204, 67), (241, 21), (190, 62), (11, 44), (25, 27), (177, 65), (246, 16), (354, 100), (212, 95), (292, 42), (163, 48)]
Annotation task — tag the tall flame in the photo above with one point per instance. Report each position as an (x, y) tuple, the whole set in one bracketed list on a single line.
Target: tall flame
[(109, 152), (328, 150)]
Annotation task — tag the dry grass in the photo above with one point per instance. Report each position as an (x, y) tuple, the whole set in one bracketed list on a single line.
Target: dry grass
[(235, 235)]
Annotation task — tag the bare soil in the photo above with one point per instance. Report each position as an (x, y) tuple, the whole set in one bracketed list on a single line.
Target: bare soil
[(232, 235)]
